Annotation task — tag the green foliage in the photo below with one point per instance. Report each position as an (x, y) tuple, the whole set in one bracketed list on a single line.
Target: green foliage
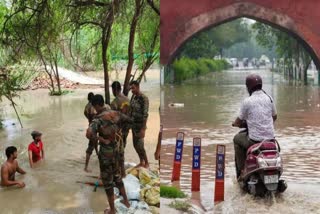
[(75, 34), (288, 49), (270, 38), (186, 68), (26, 70), (147, 32), (85, 47), (201, 46), (13, 81), (3, 51), (228, 34), (211, 42), (120, 35), (33, 31), (171, 192), (249, 49)]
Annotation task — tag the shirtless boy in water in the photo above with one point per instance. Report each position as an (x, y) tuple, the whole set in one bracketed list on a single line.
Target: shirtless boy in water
[(10, 167)]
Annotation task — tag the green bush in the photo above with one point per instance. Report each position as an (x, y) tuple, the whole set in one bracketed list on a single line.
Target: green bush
[(171, 192), (185, 68)]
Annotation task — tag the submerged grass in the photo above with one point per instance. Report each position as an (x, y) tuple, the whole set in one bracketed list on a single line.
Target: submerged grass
[(183, 206), (171, 192), (57, 93)]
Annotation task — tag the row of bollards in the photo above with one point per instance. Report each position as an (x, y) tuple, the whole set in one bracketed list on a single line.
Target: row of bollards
[(196, 166)]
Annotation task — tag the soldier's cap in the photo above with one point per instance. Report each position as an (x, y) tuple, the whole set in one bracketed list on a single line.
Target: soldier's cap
[(35, 133)]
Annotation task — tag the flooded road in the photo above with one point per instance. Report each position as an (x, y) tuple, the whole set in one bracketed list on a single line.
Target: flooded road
[(210, 106), (51, 187)]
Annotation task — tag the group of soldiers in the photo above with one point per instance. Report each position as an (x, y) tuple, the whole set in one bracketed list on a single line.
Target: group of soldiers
[(109, 127)]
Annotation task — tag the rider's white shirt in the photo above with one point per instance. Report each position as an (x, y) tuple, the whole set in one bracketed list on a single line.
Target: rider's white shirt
[(258, 110)]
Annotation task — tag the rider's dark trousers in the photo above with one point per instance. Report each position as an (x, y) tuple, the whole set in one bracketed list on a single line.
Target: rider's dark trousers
[(241, 145)]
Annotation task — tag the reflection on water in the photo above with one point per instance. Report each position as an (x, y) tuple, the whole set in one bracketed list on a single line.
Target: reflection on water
[(52, 187), (210, 106)]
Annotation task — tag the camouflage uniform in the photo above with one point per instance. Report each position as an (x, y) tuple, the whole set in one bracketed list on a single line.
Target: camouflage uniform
[(120, 103), (90, 112), (139, 106), (106, 124)]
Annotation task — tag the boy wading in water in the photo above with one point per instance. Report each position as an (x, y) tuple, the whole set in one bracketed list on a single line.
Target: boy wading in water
[(9, 169)]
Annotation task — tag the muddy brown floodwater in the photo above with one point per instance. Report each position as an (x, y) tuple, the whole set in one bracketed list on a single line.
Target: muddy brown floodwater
[(51, 187), (210, 106)]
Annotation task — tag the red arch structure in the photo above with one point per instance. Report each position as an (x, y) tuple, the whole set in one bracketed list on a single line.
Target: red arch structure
[(182, 19)]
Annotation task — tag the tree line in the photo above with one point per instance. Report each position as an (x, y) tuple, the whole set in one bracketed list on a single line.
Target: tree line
[(241, 38), (79, 34)]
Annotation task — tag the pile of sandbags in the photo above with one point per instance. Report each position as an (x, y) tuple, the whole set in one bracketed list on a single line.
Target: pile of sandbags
[(150, 185), (135, 207), (151, 195), (143, 192)]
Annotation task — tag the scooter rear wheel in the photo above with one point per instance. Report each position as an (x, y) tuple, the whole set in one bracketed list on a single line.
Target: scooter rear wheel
[(260, 189)]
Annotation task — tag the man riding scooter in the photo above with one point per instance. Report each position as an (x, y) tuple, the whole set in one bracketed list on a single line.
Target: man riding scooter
[(258, 112)]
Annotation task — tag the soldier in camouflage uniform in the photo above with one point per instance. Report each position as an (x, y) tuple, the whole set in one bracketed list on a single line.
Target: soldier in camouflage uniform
[(89, 112), (106, 125), (139, 106), (121, 104)]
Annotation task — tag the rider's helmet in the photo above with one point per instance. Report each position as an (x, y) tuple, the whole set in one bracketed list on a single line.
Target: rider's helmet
[(253, 83), (35, 134)]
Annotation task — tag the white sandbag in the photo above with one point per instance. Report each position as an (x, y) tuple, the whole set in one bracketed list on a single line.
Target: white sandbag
[(142, 206), (120, 207), (132, 186), (136, 207)]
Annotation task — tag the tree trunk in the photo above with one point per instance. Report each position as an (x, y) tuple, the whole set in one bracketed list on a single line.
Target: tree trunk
[(54, 69), (68, 55), (305, 73), (133, 27), (47, 71), (106, 35), (297, 60), (57, 76), (105, 70), (221, 52), (153, 6)]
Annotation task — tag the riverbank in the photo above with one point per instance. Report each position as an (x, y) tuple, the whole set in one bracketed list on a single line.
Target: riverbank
[(90, 79)]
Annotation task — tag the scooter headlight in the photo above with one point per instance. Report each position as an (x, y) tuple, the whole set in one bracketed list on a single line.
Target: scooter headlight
[(279, 162), (262, 162)]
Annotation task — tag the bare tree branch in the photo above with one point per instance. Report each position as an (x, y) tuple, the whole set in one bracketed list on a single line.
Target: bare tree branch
[(90, 3), (153, 6), (152, 59), (90, 22), (139, 5)]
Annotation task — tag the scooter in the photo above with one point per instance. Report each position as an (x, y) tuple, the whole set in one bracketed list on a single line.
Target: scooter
[(263, 169)]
